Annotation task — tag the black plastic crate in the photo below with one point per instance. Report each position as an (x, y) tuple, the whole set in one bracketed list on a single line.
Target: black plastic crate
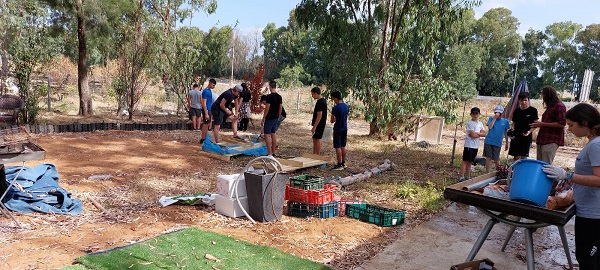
[(327, 210), (307, 182), (375, 214)]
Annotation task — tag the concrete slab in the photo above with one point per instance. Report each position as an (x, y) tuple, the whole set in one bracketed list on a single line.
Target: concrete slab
[(448, 237)]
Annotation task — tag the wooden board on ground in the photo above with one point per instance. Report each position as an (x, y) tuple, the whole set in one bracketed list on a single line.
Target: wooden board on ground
[(226, 157), (306, 161)]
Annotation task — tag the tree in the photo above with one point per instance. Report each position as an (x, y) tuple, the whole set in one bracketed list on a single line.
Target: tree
[(384, 53), (136, 48), (496, 30), (589, 55), (30, 47), (529, 61), (561, 54), (90, 21), (216, 46)]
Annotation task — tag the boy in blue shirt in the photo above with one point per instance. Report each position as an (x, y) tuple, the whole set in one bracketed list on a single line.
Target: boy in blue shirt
[(339, 116), (497, 128)]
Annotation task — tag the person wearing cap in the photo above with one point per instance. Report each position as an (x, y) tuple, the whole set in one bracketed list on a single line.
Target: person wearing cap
[(221, 112), (207, 101), (552, 126), (521, 137), (270, 119), (194, 104), (474, 130), (492, 145)]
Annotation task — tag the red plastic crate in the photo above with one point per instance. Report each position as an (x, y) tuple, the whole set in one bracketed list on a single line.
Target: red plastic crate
[(320, 196), (342, 204)]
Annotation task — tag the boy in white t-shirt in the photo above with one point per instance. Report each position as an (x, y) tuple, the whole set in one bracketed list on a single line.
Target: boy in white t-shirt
[(474, 132)]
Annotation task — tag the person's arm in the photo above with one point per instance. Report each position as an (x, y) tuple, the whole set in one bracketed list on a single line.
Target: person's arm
[(224, 108), (203, 103), (189, 101), (265, 111), (317, 121)]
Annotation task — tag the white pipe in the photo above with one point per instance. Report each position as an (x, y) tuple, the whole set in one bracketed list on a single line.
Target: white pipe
[(264, 159)]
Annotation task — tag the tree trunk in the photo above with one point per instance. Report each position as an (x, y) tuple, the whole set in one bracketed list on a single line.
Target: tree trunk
[(85, 97)]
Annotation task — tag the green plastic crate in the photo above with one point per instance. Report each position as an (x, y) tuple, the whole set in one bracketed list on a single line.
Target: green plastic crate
[(375, 214), (307, 182)]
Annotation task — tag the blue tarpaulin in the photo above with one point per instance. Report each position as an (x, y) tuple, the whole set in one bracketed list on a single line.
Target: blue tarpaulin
[(209, 146), (36, 190)]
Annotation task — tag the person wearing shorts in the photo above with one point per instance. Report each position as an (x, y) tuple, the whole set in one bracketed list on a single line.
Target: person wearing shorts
[(521, 131), (474, 131), (270, 119), (220, 110), (195, 106), (319, 119), (339, 118), (492, 145), (207, 100)]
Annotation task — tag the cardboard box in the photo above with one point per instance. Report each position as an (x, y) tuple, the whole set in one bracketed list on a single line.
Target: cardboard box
[(484, 264), (225, 185), (230, 207)]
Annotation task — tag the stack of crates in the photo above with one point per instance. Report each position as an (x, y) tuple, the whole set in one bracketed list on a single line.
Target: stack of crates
[(308, 196), (375, 214)]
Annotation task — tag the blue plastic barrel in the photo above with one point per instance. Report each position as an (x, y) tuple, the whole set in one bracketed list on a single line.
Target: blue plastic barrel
[(529, 184)]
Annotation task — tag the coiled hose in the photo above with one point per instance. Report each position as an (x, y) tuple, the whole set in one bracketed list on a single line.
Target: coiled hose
[(269, 164)]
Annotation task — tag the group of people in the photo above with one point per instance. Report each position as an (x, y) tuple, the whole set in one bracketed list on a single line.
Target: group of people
[(206, 110), (234, 105), (524, 121), (583, 121)]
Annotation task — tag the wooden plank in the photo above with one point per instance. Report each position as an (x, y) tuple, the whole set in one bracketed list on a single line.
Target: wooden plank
[(319, 157), (216, 156), (291, 163), (250, 146)]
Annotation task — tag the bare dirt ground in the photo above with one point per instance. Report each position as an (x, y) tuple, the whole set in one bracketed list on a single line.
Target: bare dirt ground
[(145, 165)]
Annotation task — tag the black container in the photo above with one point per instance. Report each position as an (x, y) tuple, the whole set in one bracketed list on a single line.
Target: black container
[(266, 194)]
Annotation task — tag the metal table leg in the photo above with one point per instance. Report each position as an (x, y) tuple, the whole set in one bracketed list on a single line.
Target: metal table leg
[(482, 236), (529, 248), (563, 238)]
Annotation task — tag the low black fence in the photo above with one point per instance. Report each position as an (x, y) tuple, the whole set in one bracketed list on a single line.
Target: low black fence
[(77, 127)]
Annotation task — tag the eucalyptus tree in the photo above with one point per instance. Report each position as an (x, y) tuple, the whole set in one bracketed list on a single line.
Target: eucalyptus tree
[(530, 60), (589, 56), (135, 45), (88, 24), (30, 47), (383, 52), (216, 47), (561, 54), (496, 31)]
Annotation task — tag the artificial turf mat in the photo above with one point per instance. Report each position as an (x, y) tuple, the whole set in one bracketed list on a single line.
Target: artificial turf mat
[(192, 248)]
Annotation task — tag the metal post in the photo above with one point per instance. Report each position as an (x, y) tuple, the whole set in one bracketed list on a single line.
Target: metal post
[(49, 92), (298, 104)]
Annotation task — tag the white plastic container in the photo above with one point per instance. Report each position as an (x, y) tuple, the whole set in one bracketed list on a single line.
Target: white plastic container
[(225, 185), (230, 207)]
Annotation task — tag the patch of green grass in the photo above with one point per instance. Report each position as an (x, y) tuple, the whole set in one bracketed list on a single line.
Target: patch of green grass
[(429, 196), (192, 248)]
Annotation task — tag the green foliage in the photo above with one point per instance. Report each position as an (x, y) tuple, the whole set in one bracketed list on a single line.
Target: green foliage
[(215, 50), (291, 76), (31, 47), (496, 31), (561, 54), (389, 69), (429, 196)]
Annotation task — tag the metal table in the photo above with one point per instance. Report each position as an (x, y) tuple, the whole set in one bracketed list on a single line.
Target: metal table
[(499, 210), (31, 152)]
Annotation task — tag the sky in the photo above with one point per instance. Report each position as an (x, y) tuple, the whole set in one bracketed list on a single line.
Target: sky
[(253, 15)]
